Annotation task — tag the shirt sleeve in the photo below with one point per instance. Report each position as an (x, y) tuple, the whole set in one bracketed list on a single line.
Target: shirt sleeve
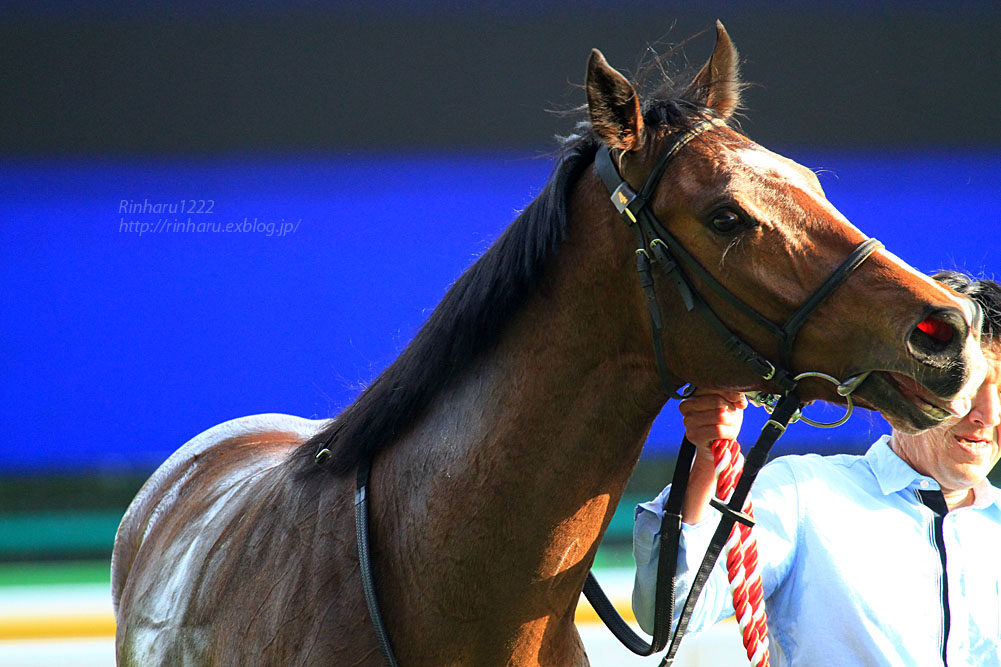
[(777, 514)]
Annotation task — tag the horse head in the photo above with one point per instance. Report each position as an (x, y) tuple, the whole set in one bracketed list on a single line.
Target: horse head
[(759, 226)]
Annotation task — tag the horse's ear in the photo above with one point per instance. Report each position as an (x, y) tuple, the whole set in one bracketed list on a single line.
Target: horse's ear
[(613, 105), (717, 85)]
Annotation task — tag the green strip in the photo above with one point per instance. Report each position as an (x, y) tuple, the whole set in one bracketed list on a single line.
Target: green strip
[(42, 574), (57, 534), (620, 528), (65, 531), (613, 557), (616, 549), (53, 535)]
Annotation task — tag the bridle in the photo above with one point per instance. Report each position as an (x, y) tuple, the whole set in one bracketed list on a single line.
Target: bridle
[(653, 239), (655, 244)]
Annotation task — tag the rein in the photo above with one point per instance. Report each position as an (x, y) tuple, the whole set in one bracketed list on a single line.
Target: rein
[(656, 245)]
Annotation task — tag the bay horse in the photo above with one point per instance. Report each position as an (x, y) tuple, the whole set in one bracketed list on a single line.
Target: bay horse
[(502, 437)]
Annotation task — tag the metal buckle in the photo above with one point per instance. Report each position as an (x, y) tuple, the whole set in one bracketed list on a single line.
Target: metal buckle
[(782, 427), (768, 402), (663, 254)]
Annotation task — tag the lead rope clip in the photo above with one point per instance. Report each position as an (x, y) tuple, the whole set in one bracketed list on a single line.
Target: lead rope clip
[(844, 389)]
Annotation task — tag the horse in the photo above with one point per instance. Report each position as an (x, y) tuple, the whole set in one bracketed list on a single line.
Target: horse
[(502, 437)]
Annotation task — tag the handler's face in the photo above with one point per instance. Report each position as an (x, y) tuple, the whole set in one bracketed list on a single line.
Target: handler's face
[(960, 452)]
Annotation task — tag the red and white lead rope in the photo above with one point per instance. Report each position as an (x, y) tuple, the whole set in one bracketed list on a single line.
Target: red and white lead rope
[(741, 554)]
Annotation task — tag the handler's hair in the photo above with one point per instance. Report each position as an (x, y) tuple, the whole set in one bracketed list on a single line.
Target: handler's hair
[(986, 293)]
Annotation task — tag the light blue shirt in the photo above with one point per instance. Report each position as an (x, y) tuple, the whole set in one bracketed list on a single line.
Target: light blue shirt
[(850, 567)]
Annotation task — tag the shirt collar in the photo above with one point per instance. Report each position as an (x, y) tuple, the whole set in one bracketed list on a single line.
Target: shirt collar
[(893, 474)]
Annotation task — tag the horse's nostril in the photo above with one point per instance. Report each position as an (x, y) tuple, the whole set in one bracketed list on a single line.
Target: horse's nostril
[(938, 337), (939, 330)]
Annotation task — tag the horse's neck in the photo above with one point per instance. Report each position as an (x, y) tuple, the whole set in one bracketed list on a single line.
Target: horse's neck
[(523, 461)]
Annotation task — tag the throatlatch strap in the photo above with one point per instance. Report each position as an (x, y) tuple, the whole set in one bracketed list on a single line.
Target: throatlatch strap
[(653, 239)]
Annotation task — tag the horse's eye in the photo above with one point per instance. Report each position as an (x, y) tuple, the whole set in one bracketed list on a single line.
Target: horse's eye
[(725, 221)]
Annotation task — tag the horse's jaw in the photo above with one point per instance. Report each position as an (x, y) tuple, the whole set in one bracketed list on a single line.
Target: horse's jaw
[(911, 404)]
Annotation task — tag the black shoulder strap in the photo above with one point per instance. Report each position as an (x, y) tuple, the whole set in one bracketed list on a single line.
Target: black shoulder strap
[(365, 562)]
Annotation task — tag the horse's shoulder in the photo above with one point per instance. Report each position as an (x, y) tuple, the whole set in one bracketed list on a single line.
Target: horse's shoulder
[(229, 453)]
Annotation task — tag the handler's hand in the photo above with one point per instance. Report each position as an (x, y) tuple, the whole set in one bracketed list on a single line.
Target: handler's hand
[(711, 416)]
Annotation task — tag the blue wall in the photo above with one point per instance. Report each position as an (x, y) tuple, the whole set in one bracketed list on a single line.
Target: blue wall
[(118, 346)]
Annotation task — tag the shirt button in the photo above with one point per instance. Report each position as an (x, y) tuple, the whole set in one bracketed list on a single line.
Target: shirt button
[(925, 484)]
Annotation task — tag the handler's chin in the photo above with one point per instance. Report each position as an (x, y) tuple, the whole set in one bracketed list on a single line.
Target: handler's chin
[(903, 413)]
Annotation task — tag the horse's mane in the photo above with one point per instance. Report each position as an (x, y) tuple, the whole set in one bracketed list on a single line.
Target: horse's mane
[(471, 317)]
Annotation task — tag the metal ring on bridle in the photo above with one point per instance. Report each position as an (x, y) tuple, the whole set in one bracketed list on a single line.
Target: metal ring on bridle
[(836, 383)]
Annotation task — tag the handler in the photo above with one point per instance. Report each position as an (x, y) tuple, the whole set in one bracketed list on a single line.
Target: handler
[(891, 558)]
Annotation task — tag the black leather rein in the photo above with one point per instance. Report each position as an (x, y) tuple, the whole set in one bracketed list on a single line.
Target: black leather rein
[(657, 245)]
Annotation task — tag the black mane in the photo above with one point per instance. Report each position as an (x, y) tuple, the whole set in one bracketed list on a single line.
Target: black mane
[(471, 317)]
